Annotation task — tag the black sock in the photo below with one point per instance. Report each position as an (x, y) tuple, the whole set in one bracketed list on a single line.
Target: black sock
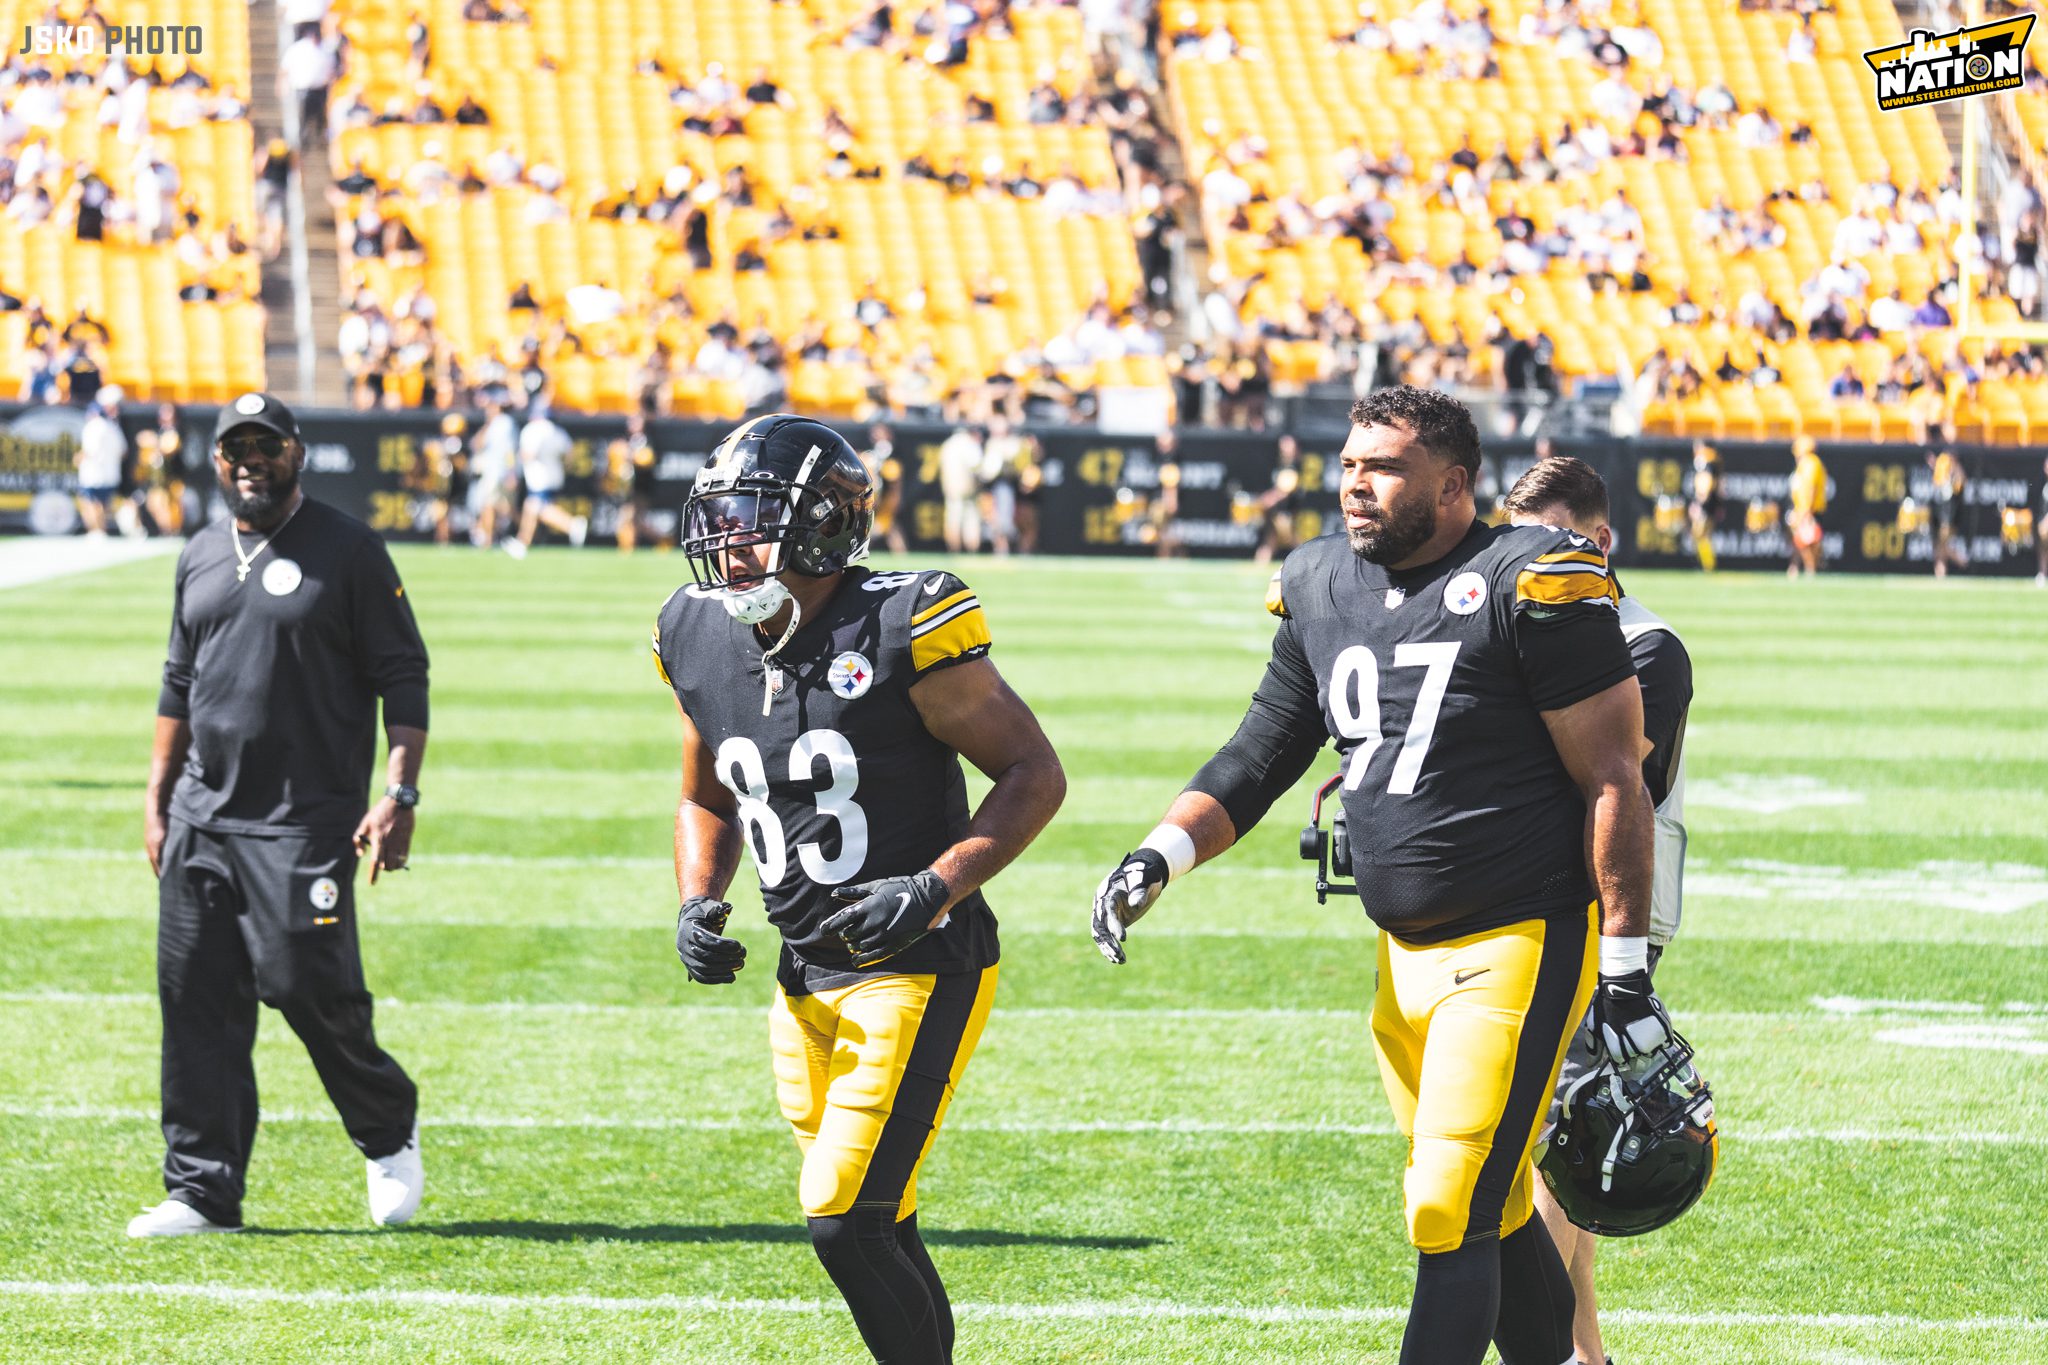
[(912, 1246), (1457, 1298), (1536, 1300), (887, 1294)]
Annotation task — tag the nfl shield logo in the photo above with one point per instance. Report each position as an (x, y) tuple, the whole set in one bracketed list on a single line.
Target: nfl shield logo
[(851, 675)]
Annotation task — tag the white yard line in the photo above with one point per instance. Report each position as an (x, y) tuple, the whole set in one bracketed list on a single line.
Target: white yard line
[(1070, 1310), (1049, 1127), (1163, 1013), (26, 560)]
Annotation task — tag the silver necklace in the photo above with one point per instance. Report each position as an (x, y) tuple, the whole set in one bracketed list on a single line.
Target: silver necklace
[(247, 560)]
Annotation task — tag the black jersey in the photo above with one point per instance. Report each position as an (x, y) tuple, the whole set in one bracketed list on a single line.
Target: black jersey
[(278, 672), (839, 782), (1460, 814)]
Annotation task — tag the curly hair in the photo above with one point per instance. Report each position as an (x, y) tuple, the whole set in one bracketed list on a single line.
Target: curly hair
[(1438, 421)]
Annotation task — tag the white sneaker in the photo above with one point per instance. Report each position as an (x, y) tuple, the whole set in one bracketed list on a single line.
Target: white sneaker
[(516, 548), (396, 1183), (579, 530), (173, 1219)]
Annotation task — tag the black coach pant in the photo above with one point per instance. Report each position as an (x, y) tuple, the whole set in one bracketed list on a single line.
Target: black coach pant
[(243, 919)]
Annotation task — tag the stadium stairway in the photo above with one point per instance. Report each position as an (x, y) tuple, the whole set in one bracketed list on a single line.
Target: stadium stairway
[(325, 386), (323, 251), (266, 114)]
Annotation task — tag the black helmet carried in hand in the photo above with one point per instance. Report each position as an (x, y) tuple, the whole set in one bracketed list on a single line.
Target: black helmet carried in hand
[(782, 481), (1633, 1149)]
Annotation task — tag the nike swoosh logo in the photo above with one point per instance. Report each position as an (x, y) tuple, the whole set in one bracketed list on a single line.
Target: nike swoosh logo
[(1461, 978), (903, 902), (933, 586)]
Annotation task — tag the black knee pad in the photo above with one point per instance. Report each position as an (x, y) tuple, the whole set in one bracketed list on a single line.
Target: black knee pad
[(866, 1231)]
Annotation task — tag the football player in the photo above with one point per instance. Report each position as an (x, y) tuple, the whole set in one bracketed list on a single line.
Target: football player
[(1569, 493), (1808, 494), (1480, 692), (825, 709)]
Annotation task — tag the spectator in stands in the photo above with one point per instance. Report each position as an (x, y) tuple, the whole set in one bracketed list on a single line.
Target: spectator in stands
[(2023, 273), (484, 12), (307, 70), (1889, 314), (763, 90), (1847, 385), (1045, 104), (39, 380), (87, 204), (274, 167), (1801, 46), (81, 371)]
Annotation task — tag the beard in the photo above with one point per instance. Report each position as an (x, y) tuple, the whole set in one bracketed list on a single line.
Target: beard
[(258, 508), (1399, 532)]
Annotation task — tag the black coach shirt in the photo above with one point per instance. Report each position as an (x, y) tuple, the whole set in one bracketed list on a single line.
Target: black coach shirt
[(279, 674), (1432, 681), (839, 782)]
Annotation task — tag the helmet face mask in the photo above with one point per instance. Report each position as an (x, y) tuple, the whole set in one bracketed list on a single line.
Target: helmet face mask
[(1633, 1149), (779, 494)]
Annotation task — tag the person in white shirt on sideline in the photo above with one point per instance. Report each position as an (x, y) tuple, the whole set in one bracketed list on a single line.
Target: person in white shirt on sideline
[(542, 447), (102, 456)]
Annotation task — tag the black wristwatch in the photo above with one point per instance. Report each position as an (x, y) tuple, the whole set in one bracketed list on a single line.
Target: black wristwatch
[(404, 795)]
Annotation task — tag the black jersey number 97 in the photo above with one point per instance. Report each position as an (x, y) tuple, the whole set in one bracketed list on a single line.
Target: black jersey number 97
[(743, 772)]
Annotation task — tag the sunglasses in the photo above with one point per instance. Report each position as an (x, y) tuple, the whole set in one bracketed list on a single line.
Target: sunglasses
[(237, 448)]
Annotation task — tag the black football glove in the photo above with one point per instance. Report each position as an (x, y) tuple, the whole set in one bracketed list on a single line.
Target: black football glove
[(1629, 1018), (1124, 897), (708, 956), (884, 917)]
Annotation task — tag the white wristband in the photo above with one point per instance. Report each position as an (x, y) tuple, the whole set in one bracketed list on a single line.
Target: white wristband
[(1619, 956), (1172, 843)]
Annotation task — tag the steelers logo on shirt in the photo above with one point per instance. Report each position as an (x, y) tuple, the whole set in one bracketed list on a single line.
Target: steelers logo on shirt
[(281, 577), (851, 675), (1465, 593), (325, 895)]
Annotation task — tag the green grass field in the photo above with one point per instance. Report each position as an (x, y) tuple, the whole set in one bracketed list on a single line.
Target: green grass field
[(1185, 1160)]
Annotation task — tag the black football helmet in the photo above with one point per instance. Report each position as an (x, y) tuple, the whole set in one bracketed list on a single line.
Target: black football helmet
[(782, 481), (1633, 1149)]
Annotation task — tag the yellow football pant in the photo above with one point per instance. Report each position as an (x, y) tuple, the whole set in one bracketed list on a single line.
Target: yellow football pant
[(864, 1074), (1470, 1034)]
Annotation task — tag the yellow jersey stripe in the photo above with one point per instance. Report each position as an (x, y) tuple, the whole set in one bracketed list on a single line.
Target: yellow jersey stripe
[(659, 666), (969, 604), (1556, 590), (957, 636), (932, 611)]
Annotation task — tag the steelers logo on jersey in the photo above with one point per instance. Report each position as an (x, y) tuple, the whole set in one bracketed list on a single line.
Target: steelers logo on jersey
[(851, 675), (1465, 593)]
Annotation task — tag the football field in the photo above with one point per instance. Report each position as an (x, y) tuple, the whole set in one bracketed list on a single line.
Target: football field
[(1187, 1159)]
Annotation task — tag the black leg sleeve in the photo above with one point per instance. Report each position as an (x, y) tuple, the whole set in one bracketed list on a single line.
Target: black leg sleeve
[(207, 994), (888, 1298), (1536, 1301), (912, 1245), (1457, 1298)]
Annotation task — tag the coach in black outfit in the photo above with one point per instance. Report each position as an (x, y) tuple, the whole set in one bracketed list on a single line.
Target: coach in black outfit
[(290, 623)]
